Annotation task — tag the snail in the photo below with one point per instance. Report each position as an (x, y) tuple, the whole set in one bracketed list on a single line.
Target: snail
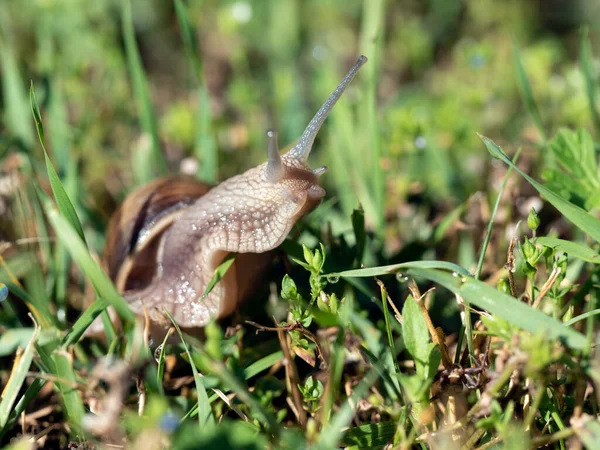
[(165, 241)]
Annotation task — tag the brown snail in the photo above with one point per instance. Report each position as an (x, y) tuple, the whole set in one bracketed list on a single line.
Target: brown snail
[(168, 237)]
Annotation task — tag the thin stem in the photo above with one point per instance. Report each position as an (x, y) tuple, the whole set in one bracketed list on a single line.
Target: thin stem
[(488, 235)]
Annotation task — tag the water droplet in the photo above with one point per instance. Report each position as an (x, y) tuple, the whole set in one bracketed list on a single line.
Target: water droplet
[(401, 278), (157, 353), (3, 292), (333, 279), (455, 274)]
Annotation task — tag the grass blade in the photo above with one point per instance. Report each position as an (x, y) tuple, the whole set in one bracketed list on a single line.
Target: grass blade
[(84, 260), (252, 370), (63, 363), (572, 248), (205, 146), (587, 67), (504, 306), (220, 272), (527, 93), (395, 268), (332, 433), (372, 435), (17, 378), (29, 395), (60, 195), (84, 321), (155, 165), (578, 216), (371, 41), (14, 97), (161, 362), (205, 417), (488, 234)]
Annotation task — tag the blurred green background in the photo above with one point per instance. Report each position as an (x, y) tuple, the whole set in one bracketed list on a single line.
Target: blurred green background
[(439, 71), (134, 89)]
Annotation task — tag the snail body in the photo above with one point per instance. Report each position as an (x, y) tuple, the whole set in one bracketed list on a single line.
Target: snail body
[(168, 237)]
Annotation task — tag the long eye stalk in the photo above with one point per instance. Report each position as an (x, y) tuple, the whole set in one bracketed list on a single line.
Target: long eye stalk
[(302, 149)]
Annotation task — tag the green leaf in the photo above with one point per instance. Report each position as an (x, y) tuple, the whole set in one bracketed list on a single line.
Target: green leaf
[(60, 195), (576, 155), (578, 216), (575, 249), (504, 306), (416, 336)]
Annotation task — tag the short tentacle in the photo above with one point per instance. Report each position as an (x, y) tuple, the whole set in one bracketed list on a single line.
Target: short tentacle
[(274, 169)]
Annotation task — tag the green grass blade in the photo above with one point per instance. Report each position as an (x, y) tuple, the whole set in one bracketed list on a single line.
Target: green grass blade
[(67, 166), (205, 146), (331, 434), (372, 435), (262, 364), (371, 41), (252, 370), (84, 321), (84, 260), (504, 306), (205, 418), (15, 112), (395, 268), (155, 165), (587, 67), (39, 310), (488, 234), (60, 195), (29, 395), (593, 312), (527, 93), (575, 249), (16, 380), (578, 216), (161, 363), (388, 327), (63, 363), (219, 274)]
